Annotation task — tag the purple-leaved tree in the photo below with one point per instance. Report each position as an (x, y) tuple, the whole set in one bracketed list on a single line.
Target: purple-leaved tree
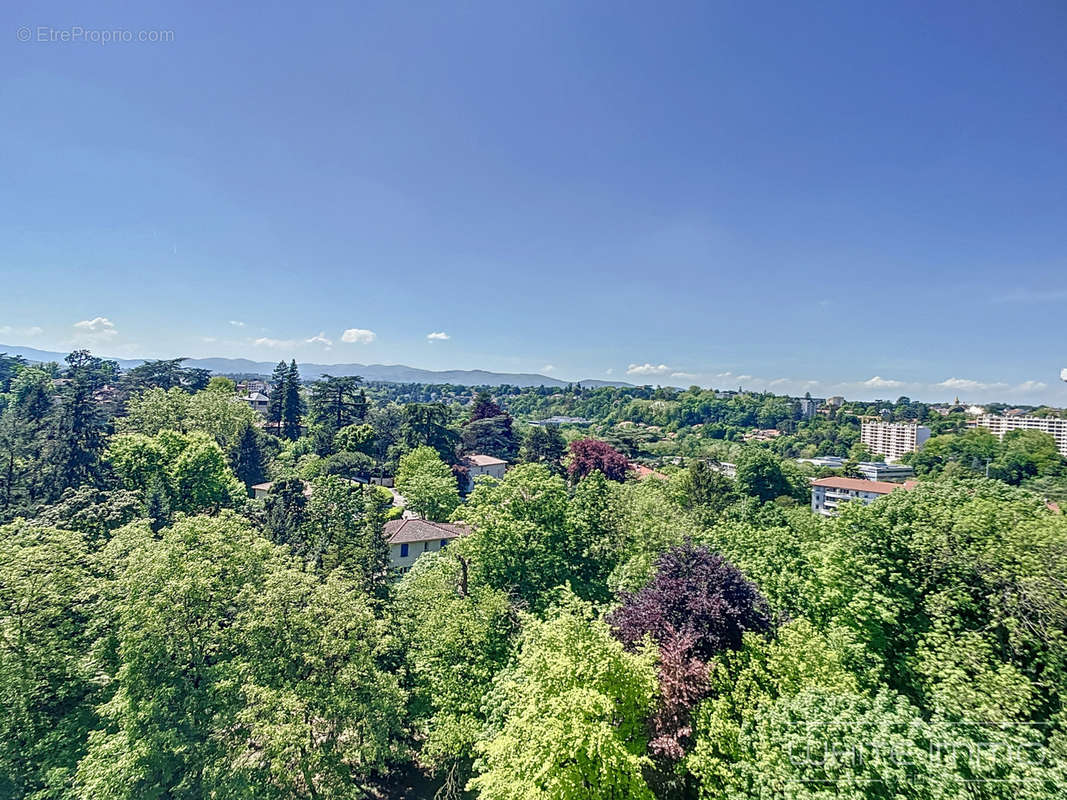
[(588, 455), (697, 605)]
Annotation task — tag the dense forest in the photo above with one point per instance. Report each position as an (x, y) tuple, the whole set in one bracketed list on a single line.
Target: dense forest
[(164, 633)]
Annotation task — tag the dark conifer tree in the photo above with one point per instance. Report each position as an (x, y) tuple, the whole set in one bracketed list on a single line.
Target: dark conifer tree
[(248, 459), (292, 404), (277, 395)]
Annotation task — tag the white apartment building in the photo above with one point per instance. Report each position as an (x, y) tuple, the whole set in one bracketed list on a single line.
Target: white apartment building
[(829, 494), (998, 426), (894, 439)]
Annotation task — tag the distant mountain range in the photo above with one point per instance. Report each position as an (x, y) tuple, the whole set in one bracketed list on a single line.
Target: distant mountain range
[(390, 373)]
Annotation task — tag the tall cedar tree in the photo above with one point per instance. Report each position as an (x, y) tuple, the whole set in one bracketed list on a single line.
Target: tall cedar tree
[(84, 421), (277, 396), (292, 404), (284, 510), (167, 374), (484, 407), (428, 424), (544, 444), (248, 459), (335, 403), (492, 436)]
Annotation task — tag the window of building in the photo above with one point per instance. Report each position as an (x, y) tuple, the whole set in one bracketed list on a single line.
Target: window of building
[(404, 550), (426, 546)]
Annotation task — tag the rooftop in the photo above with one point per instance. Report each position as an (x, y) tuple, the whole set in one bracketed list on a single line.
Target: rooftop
[(643, 472), (479, 460), (857, 485), (403, 531)]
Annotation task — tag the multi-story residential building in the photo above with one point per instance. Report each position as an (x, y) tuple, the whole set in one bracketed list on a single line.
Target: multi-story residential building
[(807, 407), (1056, 427), (893, 439), (829, 494)]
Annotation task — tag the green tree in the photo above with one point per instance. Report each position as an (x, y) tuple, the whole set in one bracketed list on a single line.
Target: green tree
[(167, 374), (354, 438), (222, 385), (544, 444), (96, 513), (457, 637), (284, 511), (277, 396), (83, 418), (427, 424), (590, 542), (249, 458), (201, 478), (240, 674), (492, 436), (568, 719), (518, 529), (49, 601), (153, 410), (342, 529), (427, 484), (292, 402), (1025, 454), (765, 477), (708, 489), (192, 468), (334, 404)]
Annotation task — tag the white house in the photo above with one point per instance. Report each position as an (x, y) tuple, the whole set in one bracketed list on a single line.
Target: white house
[(410, 538), (478, 464)]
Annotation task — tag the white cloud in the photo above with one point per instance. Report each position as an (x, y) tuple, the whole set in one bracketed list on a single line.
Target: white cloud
[(967, 385), (1030, 386), (649, 369), (33, 330), (237, 323), (683, 375), (96, 328), (278, 344), (320, 339), (611, 371), (878, 382), (358, 335), (437, 336), (548, 368)]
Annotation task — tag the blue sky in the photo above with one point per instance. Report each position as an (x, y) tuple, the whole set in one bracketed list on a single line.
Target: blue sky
[(822, 196)]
